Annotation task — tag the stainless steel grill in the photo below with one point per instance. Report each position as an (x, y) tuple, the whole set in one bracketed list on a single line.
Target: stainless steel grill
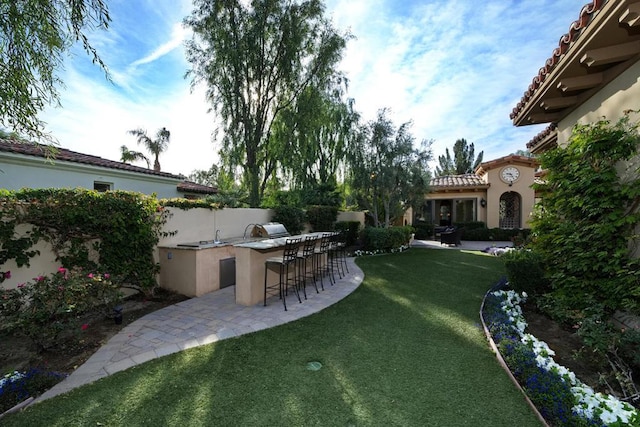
[(271, 230)]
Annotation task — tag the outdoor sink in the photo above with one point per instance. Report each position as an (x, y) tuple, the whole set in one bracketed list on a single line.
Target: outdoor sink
[(203, 244)]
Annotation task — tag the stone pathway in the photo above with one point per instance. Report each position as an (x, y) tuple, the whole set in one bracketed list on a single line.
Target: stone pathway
[(199, 321)]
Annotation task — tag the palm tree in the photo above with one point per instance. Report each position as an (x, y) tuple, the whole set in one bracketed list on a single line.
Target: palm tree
[(128, 156), (156, 146)]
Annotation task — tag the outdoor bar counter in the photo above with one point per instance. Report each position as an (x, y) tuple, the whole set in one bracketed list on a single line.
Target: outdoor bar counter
[(250, 258)]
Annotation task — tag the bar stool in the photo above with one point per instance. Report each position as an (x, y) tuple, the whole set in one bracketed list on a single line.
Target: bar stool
[(339, 252), (304, 256), (283, 263), (321, 258)]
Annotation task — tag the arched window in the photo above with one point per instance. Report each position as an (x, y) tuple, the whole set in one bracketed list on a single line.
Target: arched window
[(510, 210)]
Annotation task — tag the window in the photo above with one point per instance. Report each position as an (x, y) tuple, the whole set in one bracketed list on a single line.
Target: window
[(102, 186), (510, 210)]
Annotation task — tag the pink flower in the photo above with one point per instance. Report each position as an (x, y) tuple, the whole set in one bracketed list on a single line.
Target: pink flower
[(39, 278), (7, 275), (21, 285), (90, 275), (60, 288), (62, 270), (107, 275), (84, 327)]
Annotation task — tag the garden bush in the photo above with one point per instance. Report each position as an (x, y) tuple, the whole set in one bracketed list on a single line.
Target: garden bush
[(322, 218), (496, 234), (47, 309), (424, 230), (292, 217), (352, 228), (525, 271), (470, 225), (384, 239)]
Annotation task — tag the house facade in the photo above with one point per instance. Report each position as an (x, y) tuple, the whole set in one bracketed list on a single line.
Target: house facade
[(499, 194), (26, 165)]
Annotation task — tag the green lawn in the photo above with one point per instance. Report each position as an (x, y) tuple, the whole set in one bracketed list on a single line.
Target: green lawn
[(405, 349)]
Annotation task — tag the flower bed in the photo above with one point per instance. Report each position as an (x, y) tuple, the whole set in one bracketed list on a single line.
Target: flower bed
[(561, 398), (16, 387)]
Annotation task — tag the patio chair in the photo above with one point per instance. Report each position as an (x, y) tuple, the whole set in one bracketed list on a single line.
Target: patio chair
[(451, 237)]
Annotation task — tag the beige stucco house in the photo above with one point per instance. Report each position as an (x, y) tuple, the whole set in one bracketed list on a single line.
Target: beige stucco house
[(28, 165), (593, 73), (499, 194)]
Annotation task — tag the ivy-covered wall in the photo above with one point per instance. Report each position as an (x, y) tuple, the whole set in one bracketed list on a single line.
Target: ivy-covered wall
[(113, 232)]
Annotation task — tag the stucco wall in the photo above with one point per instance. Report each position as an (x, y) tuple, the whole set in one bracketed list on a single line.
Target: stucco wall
[(611, 102), (39, 173), (498, 187), (191, 225)]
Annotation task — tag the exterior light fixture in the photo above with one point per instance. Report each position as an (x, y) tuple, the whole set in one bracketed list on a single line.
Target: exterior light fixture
[(483, 203)]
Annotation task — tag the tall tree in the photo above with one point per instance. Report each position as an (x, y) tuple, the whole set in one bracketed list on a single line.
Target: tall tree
[(154, 146), (34, 35), (315, 134), (388, 174), (128, 156), (256, 58), (464, 160), (205, 177)]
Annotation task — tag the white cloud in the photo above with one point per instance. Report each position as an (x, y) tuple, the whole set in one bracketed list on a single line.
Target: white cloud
[(454, 67)]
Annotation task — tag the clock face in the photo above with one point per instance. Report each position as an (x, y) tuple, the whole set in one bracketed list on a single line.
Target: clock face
[(510, 174)]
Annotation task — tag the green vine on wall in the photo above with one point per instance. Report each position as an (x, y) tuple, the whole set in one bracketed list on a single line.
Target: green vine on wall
[(113, 232), (587, 219)]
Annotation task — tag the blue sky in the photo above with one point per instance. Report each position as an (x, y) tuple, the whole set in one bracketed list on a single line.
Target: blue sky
[(456, 68)]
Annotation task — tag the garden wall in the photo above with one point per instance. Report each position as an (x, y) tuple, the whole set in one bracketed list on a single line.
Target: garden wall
[(185, 225)]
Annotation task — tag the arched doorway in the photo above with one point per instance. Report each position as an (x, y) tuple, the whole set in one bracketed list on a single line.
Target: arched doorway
[(510, 208)]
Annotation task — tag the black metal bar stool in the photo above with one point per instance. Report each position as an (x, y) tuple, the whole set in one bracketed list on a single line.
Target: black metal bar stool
[(283, 263), (321, 258), (304, 256)]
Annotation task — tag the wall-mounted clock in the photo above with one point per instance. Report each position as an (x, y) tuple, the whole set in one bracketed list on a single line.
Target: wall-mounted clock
[(510, 174)]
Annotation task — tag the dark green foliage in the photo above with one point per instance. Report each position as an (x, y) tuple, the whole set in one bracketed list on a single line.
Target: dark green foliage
[(495, 234), (375, 238), (292, 217), (352, 228), (322, 218), (587, 216), (470, 225), (424, 230), (463, 161), (122, 227), (525, 271)]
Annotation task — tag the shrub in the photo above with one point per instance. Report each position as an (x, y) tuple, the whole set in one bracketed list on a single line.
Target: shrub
[(352, 228), (424, 230), (47, 309), (496, 234), (375, 239), (293, 218), (471, 225), (322, 218), (525, 271)]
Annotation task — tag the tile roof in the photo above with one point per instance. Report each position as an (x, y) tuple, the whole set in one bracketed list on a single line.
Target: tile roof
[(468, 180), (192, 187), (542, 136), (62, 154), (586, 13)]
